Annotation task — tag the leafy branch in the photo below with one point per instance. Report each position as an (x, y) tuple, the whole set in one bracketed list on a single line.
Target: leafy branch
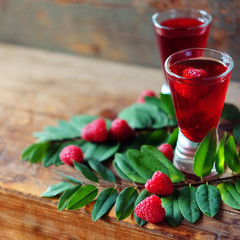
[(136, 161)]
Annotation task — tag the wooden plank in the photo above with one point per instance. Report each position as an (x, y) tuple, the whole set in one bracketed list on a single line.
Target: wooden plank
[(110, 29), (36, 89)]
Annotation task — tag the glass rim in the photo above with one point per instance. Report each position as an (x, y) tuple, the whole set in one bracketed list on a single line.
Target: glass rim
[(228, 70), (203, 12)]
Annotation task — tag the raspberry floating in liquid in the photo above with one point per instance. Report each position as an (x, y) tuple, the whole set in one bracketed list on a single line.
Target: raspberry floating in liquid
[(194, 73)]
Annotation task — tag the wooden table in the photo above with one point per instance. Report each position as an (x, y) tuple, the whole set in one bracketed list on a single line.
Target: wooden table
[(36, 89)]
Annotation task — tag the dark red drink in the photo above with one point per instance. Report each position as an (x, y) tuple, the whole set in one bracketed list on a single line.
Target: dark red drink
[(180, 33), (198, 92), (178, 29)]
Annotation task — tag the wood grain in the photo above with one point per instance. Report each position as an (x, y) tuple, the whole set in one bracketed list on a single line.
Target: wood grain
[(36, 89)]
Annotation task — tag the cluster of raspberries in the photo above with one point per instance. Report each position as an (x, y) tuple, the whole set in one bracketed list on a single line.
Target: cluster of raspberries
[(96, 131), (150, 209)]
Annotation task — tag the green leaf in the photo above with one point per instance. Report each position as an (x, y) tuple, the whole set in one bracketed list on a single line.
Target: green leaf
[(230, 112), (220, 157), (98, 151), (172, 140), (63, 200), (125, 203), (205, 154), (156, 102), (56, 189), (122, 161), (137, 115), (141, 116), (80, 121), (69, 178), (35, 152), (105, 150), (82, 197), (104, 172), (120, 172), (51, 155), (173, 214), (157, 137), (86, 172), (161, 119), (135, 143), (237, 185), (140, 198), (229, 194), (208, 199), (104, 203), (144, 164), (64, 130), (28, 151), (236, 132), (174, 174), (188, 205), (231, 156), (168, 104)]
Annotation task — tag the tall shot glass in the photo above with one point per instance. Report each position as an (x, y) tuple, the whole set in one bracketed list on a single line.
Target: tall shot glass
[(178, 29), (198, 80)]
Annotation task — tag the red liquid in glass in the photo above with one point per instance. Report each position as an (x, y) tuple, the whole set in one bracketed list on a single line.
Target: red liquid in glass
[(180, 33), (198, 102)]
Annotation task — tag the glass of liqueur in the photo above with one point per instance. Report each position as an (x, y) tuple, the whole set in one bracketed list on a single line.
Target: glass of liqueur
[(198, 80), (178, 29)]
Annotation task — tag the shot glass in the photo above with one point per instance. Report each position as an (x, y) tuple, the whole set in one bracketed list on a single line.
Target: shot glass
[(198, 80), (178, 29)]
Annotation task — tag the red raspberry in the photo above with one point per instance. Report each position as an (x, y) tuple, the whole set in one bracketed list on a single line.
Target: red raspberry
[(120, 130), (95, 131), (150, 209), (194, 73), (160, 184), (145, 93), (167, 150), (71, 153)]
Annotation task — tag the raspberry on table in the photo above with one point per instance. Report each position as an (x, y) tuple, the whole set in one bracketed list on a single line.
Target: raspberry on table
[(71, 153), (150, 209), (95, 131), (167, 150), (159, 184), (194, 73), (145, 93), (120, 130)]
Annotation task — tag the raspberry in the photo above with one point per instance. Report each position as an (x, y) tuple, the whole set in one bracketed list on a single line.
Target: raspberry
[(160, 184), (150, 209), (95, 131), (167, 150), (71, 153), (145, 93), (120, 130), (194, 73)]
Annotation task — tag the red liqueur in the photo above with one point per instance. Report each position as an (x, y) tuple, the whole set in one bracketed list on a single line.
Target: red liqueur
[(198, 91)]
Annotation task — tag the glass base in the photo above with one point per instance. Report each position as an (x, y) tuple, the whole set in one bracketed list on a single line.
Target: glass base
[(184, 156), (165, 89)]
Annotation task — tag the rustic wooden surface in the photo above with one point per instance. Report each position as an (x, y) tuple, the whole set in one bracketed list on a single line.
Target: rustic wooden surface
[(36, 89), (117, 30)]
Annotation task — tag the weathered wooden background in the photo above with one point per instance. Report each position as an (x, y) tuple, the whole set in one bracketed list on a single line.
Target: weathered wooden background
[(119, 30)]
